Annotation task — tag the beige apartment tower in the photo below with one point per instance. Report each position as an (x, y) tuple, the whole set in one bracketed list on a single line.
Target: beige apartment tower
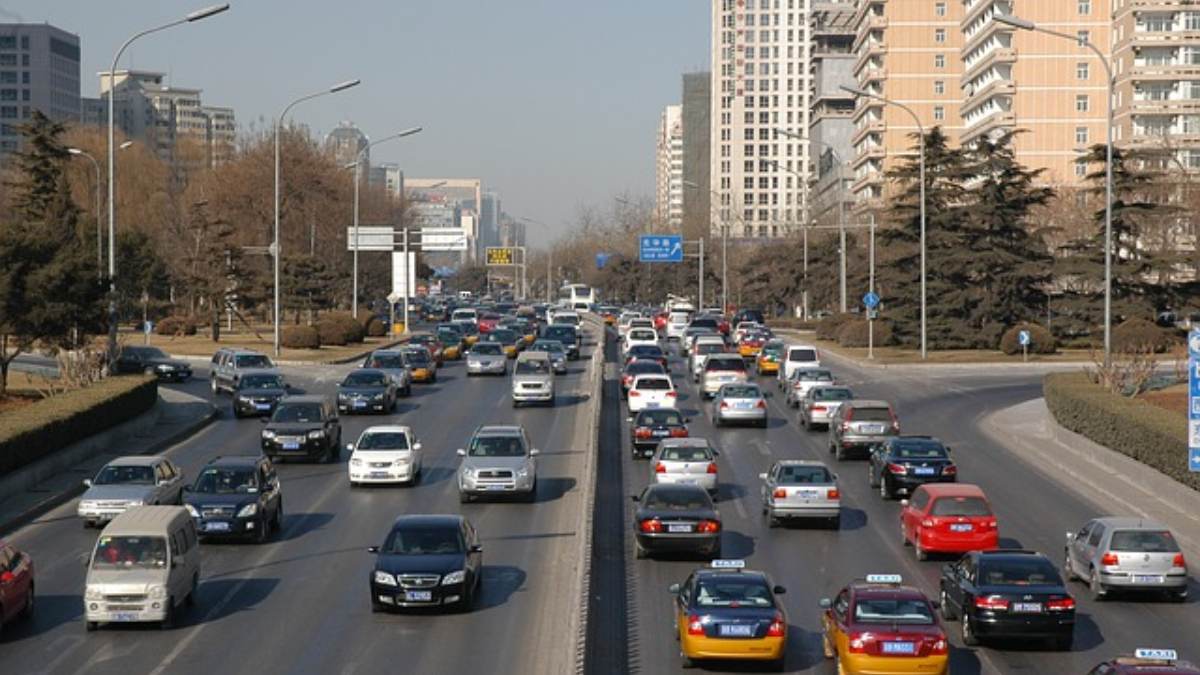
[(668, 201)]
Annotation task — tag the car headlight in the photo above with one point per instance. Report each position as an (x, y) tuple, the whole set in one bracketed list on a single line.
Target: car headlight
[(377, 397), (343, 397), (247, 511), (243, 398), (136, 502), (384, 579), (468, 472), (162, 368), (192, 510), (355, 462), (157, 592), (316, 434), (267, 433), (93, 594), (87, 504), (454, 578), (523, 472)]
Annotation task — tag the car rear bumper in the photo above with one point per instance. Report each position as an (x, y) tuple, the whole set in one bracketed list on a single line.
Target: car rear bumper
[(1041, 625), (959, 543), (907, 484), (1128, 581), (751, 649), (679, 542), (734, 415), (708, 481), (869, 664), (804, 511)]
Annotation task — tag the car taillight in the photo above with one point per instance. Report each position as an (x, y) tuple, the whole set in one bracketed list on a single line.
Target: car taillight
[(779, 493), (898, 469), (990, 524), (660, 468), (939, 647), (672, 394), (1110, 558), (1060, 604), (679, 432), (992, 602), (832, 493), (762, 403), (819, 408), (712, 467), (858, 643), (694, 625), (652, 525), (634, 392), (708, 527), (777, 626), (724, 405), (1179, 561), (928, 522), (950, 470), (642, 432)]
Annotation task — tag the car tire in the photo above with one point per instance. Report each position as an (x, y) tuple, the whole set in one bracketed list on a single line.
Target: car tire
[(91, 626), (377, 607), (1099, 593), (772, 521), (766, 422), (967, 632), (835, 523), (716, 422), (639, 552), (1179, 596), (944, 605), (685, 662), (277, 521), (904, 536), (236, 415), (464, 498), (264, 531), (212, 386), (27, 610), (839, 453), (168, 620), (922, 554), (190, 598), (1068, 572)]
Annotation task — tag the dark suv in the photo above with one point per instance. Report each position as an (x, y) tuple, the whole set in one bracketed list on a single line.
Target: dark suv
[(901, 464), (237, 496), (306, 427), (858, 425)]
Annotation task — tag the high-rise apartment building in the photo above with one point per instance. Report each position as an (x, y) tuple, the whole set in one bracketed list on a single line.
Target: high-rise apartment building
[(831, 125), (697, 202), (669, 168), (39, 70)]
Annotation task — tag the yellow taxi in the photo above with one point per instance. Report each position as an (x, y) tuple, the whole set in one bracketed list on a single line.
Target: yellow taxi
[(770, 357), (452, 341), (420, 364), (880, 626), (609, 315), (726, 612), (1145, 660), (751, 344)]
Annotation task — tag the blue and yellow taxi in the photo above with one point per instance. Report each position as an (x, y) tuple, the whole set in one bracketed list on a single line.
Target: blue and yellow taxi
[(726, 612), (879, 625), (1147, 661)]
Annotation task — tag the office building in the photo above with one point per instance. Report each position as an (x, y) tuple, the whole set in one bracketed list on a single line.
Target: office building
[(389, 176), (832, 30), (668, 203), (346, 142), (39, 70), (697, 202), (446, 215)]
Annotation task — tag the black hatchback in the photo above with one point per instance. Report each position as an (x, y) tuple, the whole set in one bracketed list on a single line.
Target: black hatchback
[(651, 425), (901, 464), (427, 561)]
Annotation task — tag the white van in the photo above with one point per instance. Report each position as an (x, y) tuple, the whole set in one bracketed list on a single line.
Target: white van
[(145, 564), (466, 314), (798, 357), (677, 323)]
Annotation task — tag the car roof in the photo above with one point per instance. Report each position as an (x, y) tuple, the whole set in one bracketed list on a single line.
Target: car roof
[(135, 460), (953, 490), (1131, 523), (692, 442), (234, 460), (306, 398), (863, 588), (866, 403), (427, 520), (388, 429), (802, 462), (145, 520), (499, 430), (802, 346), (250, 372), (368, 371), (387, 352), (238, 351), (723, 574)]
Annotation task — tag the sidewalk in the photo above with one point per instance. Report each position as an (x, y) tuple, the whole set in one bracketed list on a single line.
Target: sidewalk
[(33, 490), (1118, 484)]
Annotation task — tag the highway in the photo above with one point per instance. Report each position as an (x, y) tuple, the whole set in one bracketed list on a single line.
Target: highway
[(300, 603), (1034, 512)]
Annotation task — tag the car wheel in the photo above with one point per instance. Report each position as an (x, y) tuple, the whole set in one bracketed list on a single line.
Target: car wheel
[(190, 598), (922, 554), (764, 423), (884, 493), (835, 523), (277, 521), (639, 552), (1097, 589), (904, 536), (826, 648), (212, 385), (839, 453), (27, 610), (1179, 596), (685, 661), (168, 620), (1068, 571), (236, 415), (464, 498), (91, 626), (772, 521), (264, 531), (944, 605), (377, 607), (967, 633), (803, 422)]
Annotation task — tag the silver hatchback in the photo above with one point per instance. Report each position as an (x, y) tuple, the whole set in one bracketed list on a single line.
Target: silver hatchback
[(820, 404), (1126, 554), (741, 404), (685, 461), (487, 358), (796, 488)]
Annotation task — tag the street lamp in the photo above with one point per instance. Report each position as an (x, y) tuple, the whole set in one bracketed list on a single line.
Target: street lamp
[(724, 247), (99, 219), (1024, 24), (921, 134), (275, 244), (357, 170), (112, 220), (549, 257)]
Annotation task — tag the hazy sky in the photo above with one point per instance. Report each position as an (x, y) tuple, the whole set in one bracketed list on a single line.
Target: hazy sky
[(553, 104)]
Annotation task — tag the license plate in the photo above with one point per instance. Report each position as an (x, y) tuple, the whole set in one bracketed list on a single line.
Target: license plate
[(962, 527), (495, 488), (291, 446), (216, 527), (679, 528), (652, 404), (360, 404), (808, 495), (924, 471), (124, 616), (418, 596), (735, 630), (1148, 579), (899, 648), (659, 434), (873, 428), (1027, 607), (742, 405), (262, 406), (379, 474)]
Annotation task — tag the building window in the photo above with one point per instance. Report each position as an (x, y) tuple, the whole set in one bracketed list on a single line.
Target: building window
[(1080, 169), (8, 77), (25, 60), (1084, 6), (8, 112), (1081, 135), (1081, 71), (939, 8), (939, 87), (1191, 21), (25, 42), (1081, 103), (939, 35), (1083, 36), (8, 94), (939, 60), (939, 113), (8, 59), (8, 42)]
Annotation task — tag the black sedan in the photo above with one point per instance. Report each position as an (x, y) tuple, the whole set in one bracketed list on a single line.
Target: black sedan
[(236, 496), (366, 390), (901, 464), (676, 519), (647, 353), (152, 361), (1010, 594), (652, 425), (427, 561), (257, 394)]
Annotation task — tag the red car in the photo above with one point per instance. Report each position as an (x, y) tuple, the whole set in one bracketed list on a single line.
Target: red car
[(948, 518), (16, 584), (660, 321), (488, 322)]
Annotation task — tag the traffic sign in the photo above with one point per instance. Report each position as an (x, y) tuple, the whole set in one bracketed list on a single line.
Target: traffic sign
[(148, 327), (501, 255), (1024, 338), (660, 248), (602, 260), (871, 300), (1194, 400)]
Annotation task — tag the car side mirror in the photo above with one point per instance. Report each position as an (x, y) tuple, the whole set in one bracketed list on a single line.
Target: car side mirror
[(264, 420), (416, 446), (460, 452), (1070, 537), (903, 502), (635, 498), (187, 488), (629, 419), (534, 453), (476, 548), (779, 590), (762, 476), (350, 447), (87, 482), (373, 549), (825, 603), (674, 589)]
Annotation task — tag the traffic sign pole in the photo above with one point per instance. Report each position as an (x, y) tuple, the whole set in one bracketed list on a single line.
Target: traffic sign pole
[(871, 301), (1194, 401)]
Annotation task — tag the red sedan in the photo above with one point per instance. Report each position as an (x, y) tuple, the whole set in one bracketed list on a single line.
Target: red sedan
[(948, 518), (16, 584), (488, 322)]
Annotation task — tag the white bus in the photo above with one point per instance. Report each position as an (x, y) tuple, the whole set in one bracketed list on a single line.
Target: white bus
[(577, 296)]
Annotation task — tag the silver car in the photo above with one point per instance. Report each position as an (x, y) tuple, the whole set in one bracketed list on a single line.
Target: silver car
[(228, 366), (395, 364), (487, 358), (126, 482), (799, 488), (685, 461), (533, 379), (721, 369), (497, 462), (739, 404), (1133, 554), (700, 351), (804, 379), (820, 404)]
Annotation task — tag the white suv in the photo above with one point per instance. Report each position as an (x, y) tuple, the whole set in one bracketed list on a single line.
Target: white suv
[(795, 358)]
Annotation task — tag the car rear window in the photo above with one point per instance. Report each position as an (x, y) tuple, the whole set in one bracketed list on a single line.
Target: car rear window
[(909, 611), (659, 416), (653, 383), (735, 364), (825, 394), (960, 506), (643, 334), (1032, 572), (675, 498), (804, 475), (686, 454), (802, 355), (644, 368), (733, 592), (918, 450), (872, 415), (254, 361), (706, 348), (741, 391), (1143, 541)]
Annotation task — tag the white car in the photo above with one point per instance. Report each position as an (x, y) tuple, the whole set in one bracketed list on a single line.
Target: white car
[(385, 454), (652, 391), (640, 322), (677, 323), (797, 357), (804, 379), (624, 322), (639, 336), (743, 327), (465, 314)]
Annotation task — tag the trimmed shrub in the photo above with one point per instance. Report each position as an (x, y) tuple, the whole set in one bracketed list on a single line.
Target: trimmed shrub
[(175, 325), (855, 333), (1140, 335), (1040, 340), (331, 333), (791, 324), (300, 337), (1153, 436), (827, 328), (34, 431), (375, 327), (353, 330)]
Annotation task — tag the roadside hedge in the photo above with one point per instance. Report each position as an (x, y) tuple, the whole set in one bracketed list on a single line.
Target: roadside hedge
[(1140, 335), (827, 328), (856, 333), (300, 337), (1040, 340), (1146, 433), (175, 325), (375, 327), (34, 431)]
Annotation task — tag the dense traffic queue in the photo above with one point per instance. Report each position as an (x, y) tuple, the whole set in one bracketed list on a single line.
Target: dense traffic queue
[(877, 624)]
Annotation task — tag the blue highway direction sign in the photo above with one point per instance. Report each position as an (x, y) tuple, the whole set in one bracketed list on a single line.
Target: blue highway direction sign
[(660, 248)]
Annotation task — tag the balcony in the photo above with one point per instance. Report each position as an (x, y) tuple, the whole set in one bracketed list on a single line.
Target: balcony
[(873, 179), (998, 55), (872, 74), (865, 104), (865, 8), (974, 10), (875, 127), (872, 50), (999, 120), (866, 154), (873, 22), (999, 86), (990, 29)]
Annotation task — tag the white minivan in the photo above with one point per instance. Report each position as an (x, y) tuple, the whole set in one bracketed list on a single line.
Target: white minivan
[(466, 314), (797, 357), (145, 564)]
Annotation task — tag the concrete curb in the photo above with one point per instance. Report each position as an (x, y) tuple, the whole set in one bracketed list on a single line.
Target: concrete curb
[(90, 448), (579, 613), (195, 358)]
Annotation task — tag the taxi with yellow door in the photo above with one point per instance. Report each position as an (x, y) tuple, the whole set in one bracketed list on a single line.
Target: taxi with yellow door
[(420, 364), (770, 357), (880, 626), (453, 341), (726, 612)]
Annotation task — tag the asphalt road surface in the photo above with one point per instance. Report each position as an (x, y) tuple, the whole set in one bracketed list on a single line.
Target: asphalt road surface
[(300, 603)]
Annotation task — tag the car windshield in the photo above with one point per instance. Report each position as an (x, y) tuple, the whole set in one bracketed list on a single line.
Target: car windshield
[(646, 351), (424, 541), (871, 415), (125, 475), (672, 498), (1032, 572), (642, 334), (386, 361), (659, 416), (560, 334), (503, 335), (828, 394), (904, 450), (960, 506), (383, 440), (253, 361), (687, 453), (740, 391), (908, 611), (418, 357), (552, 346), (487, 349), (449, 336), (730, 591), (801, 355), (652, 383), (735, 364), (1143, 541), (225, 481), (365, 379), (297, 413), (533, 367), (497, 446), (124, 552), (803, 475), (260, 382), (706, 348)]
